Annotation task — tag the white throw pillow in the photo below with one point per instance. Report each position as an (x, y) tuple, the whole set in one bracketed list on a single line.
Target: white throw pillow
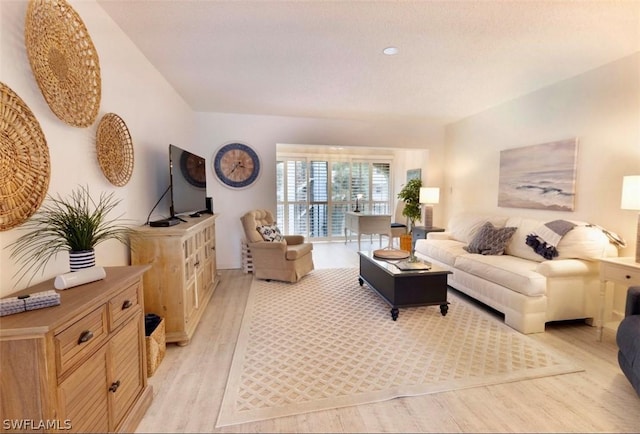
[(518, 244), (583, 242), (270, 233)]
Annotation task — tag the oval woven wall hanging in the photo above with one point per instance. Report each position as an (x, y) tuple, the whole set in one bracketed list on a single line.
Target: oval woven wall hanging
[(115, 149), (25, 166), (64, 61)]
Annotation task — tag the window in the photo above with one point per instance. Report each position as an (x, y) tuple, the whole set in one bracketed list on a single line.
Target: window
[(313, 194)]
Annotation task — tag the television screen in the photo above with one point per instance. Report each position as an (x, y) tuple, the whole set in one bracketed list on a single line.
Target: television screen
[(188, 182)]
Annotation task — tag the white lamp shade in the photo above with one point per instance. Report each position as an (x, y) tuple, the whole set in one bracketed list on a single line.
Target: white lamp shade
[(429, 195), (630, 192)]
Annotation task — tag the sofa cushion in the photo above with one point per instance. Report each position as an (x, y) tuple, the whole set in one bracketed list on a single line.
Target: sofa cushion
[(511, 272), (517, 246), (490, 240), (463, 227), (445, 251)]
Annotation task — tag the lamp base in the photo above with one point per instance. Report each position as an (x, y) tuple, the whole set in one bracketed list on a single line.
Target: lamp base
[(638, 241), (428, 216)]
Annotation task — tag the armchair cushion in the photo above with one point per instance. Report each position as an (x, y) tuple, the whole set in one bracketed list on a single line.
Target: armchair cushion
[(298, 250), (633, 301), (628, 339), (294, 239)]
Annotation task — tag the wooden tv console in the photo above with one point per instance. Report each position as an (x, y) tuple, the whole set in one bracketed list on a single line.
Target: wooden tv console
[(182, 277)]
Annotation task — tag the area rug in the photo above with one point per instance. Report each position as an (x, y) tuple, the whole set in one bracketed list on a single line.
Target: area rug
[(327, 342)]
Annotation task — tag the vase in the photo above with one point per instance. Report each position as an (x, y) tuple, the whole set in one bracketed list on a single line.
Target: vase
[(81, 259), (405, 242)]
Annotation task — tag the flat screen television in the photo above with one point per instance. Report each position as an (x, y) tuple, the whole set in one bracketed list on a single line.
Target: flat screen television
[(188, 182)]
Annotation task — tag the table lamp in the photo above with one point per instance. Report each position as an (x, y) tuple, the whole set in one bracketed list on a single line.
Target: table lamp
[(631, 200), (428, 197), (358, 197)]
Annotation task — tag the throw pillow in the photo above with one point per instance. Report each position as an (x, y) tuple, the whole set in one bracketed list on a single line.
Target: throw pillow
[(270, 233), (490, 240)]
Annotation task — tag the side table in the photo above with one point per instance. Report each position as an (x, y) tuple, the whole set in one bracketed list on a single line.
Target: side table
[(420, 232), (625, 271)]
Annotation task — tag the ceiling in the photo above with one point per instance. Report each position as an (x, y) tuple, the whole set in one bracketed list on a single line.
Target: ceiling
[(324, 58)]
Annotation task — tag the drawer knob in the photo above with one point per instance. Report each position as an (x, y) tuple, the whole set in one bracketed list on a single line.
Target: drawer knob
[(127, 304), (627, 276), (85, 336), (114, 386)]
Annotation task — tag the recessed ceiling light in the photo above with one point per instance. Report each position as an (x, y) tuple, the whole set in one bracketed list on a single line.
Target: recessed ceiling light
[(390, 51)]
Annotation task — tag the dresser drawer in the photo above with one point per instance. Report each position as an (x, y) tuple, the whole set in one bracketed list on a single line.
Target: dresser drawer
[(621, 274), (80, 339), (121, 306)]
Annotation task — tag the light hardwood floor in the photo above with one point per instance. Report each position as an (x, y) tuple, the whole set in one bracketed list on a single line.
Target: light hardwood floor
[(189, 384)]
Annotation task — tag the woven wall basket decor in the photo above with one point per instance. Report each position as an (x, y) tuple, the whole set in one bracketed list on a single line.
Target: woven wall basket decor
[(64, 61), (25, 166), (115, 149)]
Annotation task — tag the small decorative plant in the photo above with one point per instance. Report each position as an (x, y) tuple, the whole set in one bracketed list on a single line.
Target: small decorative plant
[(410, 194), (74, 223)]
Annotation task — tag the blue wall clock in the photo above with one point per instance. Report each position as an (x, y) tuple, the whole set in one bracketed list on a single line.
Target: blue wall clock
[(236, 165)]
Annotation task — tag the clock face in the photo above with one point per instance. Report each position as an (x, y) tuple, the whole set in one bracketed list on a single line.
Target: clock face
[(193, 169), (236, 165)]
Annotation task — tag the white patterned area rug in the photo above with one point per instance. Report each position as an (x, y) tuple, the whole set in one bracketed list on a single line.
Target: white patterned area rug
[(327, 342)]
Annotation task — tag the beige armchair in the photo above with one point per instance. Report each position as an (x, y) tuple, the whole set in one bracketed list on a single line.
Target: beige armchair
[(288, 261)]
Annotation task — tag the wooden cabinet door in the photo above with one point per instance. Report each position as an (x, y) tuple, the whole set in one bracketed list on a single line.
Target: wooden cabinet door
[(190, 299), (82, 397), (126, 374), (209, 256)]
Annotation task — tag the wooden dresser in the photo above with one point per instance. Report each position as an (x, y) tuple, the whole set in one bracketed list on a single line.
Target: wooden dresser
[(182, 277), (78, 366)]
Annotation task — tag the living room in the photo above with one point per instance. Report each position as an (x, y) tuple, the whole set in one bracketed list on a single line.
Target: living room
[(600, 107)]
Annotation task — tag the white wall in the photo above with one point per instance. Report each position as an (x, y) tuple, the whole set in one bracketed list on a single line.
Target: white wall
[(263, 133), (154, 113), (601, 108)]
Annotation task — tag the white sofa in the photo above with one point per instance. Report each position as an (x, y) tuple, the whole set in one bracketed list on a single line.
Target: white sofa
[(528, 289)]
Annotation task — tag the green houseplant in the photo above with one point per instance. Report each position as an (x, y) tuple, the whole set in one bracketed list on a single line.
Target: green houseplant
[(410, 194), (74, 223)]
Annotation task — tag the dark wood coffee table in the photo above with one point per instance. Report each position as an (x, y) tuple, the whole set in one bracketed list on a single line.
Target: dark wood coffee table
[(404, 288)]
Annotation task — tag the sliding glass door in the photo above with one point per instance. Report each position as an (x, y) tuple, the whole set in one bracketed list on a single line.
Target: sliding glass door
[(313, 194)]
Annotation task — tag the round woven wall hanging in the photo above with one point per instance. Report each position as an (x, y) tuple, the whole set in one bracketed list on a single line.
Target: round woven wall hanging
[(115, 149), (64, 61), (25, 167)]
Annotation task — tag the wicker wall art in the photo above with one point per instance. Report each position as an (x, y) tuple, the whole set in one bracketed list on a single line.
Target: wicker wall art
[(64, 61), (25, 166), (115, 149)]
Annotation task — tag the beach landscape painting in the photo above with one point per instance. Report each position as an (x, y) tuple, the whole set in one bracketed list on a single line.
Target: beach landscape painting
[(539, 176)]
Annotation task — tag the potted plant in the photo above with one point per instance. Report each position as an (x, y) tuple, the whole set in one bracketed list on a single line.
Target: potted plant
[(410, 194), (76, 223)]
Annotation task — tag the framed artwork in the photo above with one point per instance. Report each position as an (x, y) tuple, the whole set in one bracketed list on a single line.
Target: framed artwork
[(539, 176), (414, 174)]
